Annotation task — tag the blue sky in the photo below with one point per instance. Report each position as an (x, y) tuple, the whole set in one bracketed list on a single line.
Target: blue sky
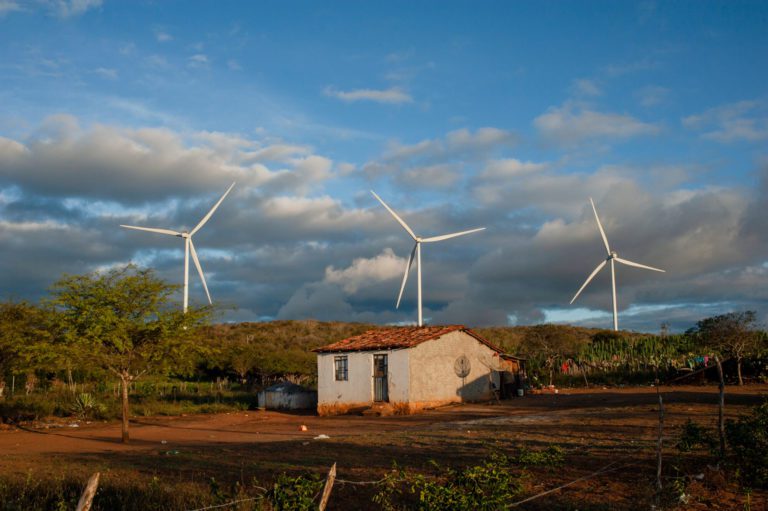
[(508, 115)]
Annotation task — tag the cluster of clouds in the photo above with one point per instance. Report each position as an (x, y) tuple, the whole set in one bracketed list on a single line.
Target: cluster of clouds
[(284, 245), (57, 8)]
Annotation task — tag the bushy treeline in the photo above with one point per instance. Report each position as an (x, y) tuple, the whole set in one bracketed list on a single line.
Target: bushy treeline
[(104, 333), (246, 352), (257, 354), (565, 354)]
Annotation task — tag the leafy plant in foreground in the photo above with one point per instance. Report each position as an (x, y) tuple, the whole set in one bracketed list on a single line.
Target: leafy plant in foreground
[(297, 493), (693, 435), (748, 439), (487, 486)]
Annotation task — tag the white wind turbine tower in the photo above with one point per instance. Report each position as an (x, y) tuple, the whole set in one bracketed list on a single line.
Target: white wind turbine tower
[(188, 247), (417, 252), (612, 257)]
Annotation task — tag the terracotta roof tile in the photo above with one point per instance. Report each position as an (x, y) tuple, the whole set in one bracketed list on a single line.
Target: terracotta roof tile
[(397, 338)]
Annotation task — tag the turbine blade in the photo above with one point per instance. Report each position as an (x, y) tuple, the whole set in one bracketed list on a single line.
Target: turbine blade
[(199, 268), (447, 236), (405, 276), (637, 265), (600, 226), (152, 229), (215, 206), (589, 279), (400, 220)]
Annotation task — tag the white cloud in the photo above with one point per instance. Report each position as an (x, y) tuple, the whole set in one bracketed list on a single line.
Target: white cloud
[(652, 95), (442, 175), (366, 271), (393, 95), (573, 123), (586, 87), (198, 60), (69, 8), (162, 36), (7, 6), (108, 73), (740, 121), (61, 158), (234, 65), (510, 167)]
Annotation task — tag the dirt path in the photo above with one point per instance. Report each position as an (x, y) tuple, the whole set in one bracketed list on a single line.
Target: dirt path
[(259, 426)]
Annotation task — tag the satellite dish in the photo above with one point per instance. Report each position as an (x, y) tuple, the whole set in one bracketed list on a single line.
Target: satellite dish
[(462, 366)]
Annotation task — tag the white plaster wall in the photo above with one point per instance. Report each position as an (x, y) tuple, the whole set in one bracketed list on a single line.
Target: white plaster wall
[(432, 375), (399, 375), (359, 387)]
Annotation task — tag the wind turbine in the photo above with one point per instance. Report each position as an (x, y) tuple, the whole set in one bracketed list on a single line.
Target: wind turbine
[(417, 252), (613, 257), (188, 247)]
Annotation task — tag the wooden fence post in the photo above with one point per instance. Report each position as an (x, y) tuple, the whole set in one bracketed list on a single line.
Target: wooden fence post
[(328, 487), (721, 416), (659, 443), (90, 491)]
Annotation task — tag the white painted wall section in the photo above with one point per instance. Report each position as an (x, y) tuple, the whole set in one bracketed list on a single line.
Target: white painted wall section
[(432, 374)]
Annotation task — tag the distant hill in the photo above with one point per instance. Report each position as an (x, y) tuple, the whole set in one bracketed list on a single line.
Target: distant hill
[(304, 335)]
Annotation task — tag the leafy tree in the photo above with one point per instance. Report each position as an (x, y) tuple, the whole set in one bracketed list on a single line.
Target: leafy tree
[(23, 337), (733, 335), (123, 321)]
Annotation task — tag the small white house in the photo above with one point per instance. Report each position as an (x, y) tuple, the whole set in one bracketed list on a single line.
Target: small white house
[(411, 368)]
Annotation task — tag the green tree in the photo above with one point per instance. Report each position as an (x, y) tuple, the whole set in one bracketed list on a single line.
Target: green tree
[(124, 321), (24, 337), (733, 335)]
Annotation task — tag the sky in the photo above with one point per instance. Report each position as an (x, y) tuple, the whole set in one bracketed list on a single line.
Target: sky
[(459, 114)]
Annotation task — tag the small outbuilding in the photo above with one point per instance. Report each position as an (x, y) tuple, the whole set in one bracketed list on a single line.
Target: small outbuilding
[(410, 368), (286, 395)]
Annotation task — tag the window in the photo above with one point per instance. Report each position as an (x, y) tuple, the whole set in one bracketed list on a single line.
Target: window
[(340, 365)]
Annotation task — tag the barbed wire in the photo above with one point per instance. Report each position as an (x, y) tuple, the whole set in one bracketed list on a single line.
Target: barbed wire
[(227, 504)]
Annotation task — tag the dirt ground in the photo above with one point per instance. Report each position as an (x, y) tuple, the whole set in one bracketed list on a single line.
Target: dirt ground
[(596, 427)]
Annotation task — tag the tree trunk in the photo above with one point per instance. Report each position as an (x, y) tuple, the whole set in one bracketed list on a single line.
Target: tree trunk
[(124, 380), (584, 374), (551, 364), (70, 382), (738, 370)]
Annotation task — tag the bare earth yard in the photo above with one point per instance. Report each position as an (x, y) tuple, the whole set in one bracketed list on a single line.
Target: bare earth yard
[(594, 426)]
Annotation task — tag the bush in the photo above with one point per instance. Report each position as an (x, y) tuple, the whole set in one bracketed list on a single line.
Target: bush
[(86, 407), (692, 436), (294, 493), (748, 439), (552, 456), (487, 486)]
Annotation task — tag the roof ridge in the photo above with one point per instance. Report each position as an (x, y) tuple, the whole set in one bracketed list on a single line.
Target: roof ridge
[(398, 337)]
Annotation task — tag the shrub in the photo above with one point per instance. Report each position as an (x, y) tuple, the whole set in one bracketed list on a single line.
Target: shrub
[(692, 436), (552, 456), (748, 439), (487, 486), (85, 407), (294, 493)]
